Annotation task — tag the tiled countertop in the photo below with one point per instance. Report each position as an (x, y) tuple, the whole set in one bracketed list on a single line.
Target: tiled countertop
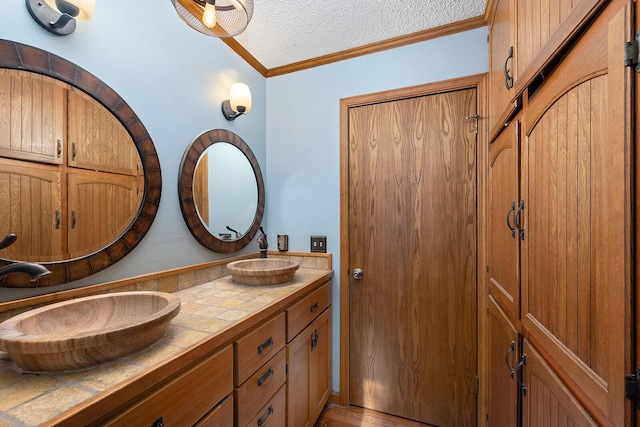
[(207, 310)]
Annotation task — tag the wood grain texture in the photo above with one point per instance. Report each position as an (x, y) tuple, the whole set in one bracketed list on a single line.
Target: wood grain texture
[(262, 271), (503, 245), (353, 416), (413, 225), (87, 331), (574, 277), (548, 402), (504, 349)]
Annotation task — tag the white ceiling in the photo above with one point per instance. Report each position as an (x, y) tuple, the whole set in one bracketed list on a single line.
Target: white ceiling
[(283, 32)]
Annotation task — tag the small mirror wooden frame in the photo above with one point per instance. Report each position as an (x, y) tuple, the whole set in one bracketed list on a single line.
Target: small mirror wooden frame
[(185, 191), (18, 56)]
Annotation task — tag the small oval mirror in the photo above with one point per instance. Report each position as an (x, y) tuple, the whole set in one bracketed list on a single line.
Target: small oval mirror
[(221, 191)]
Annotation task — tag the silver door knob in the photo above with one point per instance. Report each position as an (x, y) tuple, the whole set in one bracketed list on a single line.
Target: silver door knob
[(357, 273)]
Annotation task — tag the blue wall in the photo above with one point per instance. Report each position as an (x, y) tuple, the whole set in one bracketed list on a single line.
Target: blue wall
[(175, 79), (303, 135)]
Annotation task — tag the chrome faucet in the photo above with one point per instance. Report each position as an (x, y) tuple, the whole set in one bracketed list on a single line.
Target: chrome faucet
[(262, 242), (36, 271)]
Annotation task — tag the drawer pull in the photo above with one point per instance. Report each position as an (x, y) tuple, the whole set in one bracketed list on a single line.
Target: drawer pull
[(265, 345), (266, 417), (314, 307), (267, 376)]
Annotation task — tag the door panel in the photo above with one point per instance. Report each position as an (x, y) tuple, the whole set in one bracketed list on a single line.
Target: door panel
[(504, 208), (574, 276), (412, 213)]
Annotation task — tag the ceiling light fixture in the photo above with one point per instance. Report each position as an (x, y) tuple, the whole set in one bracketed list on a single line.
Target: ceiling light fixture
[(59, 16), (217, 18), (239, 101)]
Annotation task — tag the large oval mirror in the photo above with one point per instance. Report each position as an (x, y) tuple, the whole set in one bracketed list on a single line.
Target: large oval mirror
[(221, 191), (79, 176)]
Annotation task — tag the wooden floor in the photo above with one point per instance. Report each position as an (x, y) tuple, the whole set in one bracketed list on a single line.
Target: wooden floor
[(339, 416)]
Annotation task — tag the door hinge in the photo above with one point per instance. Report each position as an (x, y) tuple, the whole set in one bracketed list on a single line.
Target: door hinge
[(632, 387), (632, 53)]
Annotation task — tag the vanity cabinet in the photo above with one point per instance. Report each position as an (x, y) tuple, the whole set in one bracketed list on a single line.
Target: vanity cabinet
[(558, 269), (309, 357), (260, 370), (187, 398)]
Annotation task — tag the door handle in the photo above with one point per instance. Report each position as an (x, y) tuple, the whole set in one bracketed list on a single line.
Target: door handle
[(510, 350), (357, 273), (508, 219), (518, 219), (508, 79)]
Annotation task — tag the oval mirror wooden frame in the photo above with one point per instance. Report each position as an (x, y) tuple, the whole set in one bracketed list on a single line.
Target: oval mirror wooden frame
[(185, 190), (18, 56)]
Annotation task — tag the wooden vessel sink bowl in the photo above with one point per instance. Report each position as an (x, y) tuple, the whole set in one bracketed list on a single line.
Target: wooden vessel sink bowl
[(84, 332), (262, 271)]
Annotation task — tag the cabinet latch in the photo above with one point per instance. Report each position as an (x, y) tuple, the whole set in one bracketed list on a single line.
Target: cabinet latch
[(632, 53), (632, 387)]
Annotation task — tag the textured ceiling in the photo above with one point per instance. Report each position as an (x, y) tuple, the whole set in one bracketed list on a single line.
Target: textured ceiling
[(283, 32)]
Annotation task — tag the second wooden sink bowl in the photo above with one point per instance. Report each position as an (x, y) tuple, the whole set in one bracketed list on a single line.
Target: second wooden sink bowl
[(83, 332), (262, 271)]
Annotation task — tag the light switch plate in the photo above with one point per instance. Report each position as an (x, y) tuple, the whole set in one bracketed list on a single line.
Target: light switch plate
[(318, 243)]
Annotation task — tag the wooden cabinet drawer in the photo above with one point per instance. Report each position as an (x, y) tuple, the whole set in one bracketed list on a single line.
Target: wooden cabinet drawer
[(258, 346), (273, 414), (186, 398), (304, 311), (220, 416), (260, 387)]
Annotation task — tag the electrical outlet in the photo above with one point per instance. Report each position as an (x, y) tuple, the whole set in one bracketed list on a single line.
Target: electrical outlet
[(318, 243)]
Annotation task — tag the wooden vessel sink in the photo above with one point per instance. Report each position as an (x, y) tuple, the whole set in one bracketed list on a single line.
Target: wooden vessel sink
[(84, 332), (262, 271)]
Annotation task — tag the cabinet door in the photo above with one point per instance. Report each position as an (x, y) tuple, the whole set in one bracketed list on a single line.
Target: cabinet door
[(575, 254), (504, 349), (22, 186), (503, 205), (97, 140), (298, 379), (544, 27), (101, 206), (309, 372), (501, 61), (546, 400), (320, 366), (32, 116)]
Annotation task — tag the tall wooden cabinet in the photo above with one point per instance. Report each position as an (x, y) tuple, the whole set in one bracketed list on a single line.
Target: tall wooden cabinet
[(558, 220)]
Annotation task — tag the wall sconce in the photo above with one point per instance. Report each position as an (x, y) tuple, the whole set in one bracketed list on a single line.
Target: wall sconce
[(239, 101), (59, 16)]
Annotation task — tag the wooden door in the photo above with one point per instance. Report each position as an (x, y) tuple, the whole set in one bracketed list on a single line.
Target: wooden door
[(503, 215), (504, 351), (575, 273), (412, 230)]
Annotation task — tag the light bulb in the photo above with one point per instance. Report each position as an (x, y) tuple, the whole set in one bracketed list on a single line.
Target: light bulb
[(209, 14)]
